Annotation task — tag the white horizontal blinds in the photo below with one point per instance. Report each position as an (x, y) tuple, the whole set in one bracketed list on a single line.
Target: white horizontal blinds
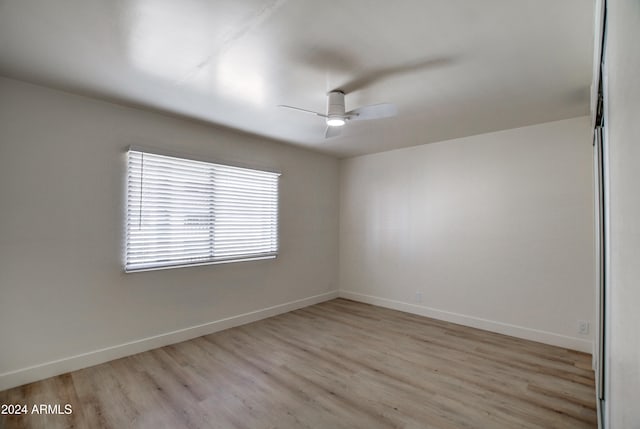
[(246, 209), (184, 212)]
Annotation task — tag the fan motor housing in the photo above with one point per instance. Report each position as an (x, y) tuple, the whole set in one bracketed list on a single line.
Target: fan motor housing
[(335, 104)]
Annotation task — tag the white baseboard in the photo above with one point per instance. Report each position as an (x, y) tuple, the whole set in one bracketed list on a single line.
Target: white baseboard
[(475, 322), (72, 363)]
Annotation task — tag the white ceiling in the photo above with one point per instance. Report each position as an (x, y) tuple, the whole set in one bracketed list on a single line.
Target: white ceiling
[(453, 67)]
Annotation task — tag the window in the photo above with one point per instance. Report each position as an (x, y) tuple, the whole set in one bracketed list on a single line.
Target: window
[(184, 212)]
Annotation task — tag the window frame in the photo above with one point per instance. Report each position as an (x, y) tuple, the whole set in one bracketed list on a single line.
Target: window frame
[(214, 163)]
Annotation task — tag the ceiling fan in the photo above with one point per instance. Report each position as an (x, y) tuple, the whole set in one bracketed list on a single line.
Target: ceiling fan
[(336, 117)]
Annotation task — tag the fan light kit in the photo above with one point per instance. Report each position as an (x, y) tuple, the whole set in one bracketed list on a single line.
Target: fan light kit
[(336, 116), (335, 122)]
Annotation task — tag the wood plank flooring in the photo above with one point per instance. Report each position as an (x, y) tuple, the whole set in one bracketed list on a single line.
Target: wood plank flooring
[(339, 364)]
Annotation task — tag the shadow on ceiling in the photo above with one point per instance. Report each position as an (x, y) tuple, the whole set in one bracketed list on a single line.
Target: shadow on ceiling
[(344, 62)]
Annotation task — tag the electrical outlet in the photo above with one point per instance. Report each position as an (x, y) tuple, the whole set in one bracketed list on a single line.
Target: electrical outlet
[(583, 327), (418, 296)]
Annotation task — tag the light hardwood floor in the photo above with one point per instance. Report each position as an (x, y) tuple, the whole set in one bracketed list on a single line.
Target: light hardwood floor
[(339, 364)]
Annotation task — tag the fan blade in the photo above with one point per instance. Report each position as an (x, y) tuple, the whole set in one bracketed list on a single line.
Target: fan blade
[(332, 132), (375, 111), (302, 110)]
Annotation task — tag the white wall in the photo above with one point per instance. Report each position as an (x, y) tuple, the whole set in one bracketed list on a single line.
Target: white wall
[(62, 287), (495, 231), (622, 100)]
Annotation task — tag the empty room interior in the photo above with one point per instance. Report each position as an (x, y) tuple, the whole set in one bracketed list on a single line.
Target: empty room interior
[(319, 214)]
